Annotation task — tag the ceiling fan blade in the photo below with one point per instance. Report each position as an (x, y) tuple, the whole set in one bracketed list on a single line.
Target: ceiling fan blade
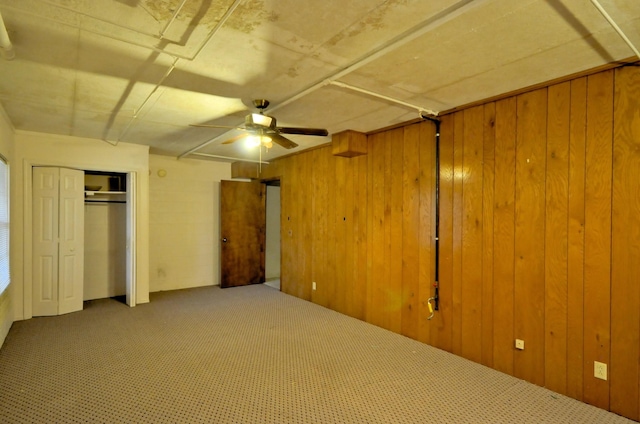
[(283, 141), (217, 126), (304, 131), (236, 138)]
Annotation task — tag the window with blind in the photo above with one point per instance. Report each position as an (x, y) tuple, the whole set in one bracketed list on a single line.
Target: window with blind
[(4, 225)]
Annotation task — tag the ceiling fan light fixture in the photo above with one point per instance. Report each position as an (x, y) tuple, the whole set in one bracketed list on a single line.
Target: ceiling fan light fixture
[(259, 140), (258, 119)]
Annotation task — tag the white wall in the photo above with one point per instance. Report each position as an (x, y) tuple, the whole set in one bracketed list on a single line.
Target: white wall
[(184, 222), (105, 245), (272, 248), (81, 153), (6, 149)]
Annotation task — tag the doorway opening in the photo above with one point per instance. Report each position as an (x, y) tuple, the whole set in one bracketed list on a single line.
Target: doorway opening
[(272, 243)]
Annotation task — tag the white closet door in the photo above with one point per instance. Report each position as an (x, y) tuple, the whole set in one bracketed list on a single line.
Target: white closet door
[(71, 247), (58, 240), (45, 241)]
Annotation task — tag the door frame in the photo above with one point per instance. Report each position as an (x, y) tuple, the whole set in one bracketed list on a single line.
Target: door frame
[(132, 265)]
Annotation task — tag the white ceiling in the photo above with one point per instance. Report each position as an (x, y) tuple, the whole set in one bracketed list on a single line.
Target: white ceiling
[(103, 68)]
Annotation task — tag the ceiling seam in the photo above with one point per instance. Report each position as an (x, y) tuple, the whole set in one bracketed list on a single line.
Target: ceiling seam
[(451, 12), (214, 31), (156, 37)]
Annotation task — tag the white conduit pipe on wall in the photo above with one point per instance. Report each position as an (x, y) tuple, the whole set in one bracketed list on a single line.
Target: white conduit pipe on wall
[(451, 12), (615, 27), (6, 48)]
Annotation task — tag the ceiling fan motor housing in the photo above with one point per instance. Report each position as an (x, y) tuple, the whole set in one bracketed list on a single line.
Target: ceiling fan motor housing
[(259, 121)]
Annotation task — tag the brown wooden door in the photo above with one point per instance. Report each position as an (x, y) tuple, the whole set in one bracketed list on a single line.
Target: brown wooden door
[(242, 230)]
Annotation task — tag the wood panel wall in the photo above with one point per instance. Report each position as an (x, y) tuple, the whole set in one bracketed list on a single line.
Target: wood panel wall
[(539, 234)]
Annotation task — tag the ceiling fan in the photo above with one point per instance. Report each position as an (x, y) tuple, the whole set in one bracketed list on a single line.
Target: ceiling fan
[(262, 130)]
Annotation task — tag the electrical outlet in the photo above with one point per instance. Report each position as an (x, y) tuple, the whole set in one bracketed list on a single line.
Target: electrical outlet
[(313, 285), (599, 370), (519, 344)]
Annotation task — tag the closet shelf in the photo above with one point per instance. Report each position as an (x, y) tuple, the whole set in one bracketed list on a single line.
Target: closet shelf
[(92, 193)]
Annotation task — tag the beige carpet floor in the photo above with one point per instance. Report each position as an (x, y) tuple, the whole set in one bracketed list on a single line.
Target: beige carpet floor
[(250, 355)]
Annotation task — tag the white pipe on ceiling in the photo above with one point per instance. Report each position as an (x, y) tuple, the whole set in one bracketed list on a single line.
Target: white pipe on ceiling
[(90, 30), (615, 26), (5, 42), (445, 15), (219, 25), (173, 18), (419, 109), (137, 111), (230, 158)]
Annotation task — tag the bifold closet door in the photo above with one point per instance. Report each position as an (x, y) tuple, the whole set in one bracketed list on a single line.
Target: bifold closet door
[(58, 240)]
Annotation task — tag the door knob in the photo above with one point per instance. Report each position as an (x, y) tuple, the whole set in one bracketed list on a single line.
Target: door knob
[(224, 240)]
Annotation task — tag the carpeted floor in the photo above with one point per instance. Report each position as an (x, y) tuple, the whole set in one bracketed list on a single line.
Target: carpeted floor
[(250, 355)]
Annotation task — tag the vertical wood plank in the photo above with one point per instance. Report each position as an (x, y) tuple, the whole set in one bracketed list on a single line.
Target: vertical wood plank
[(286, 231), (428, 330), (471, 255), (339, 283), (348, 234), (304, 227), (394, 298), (625, 265), (360, 214), (488, 199), (597, 262), (328, 287), (375, 290), (575, 240), (411, 281), (319, 208), (556, 236), (458, 146), (349, 241), (529, 230), (445, 314), (504, 235)]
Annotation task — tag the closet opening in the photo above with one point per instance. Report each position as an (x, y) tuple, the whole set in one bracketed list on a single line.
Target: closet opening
[(105, 243)]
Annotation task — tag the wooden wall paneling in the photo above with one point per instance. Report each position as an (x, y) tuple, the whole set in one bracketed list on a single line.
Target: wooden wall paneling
[(411, 281), (529, 231), (427, 330), (375, 288), (296, 202), (394, 283), (348, 222), (318, 220), (597, 263), (556, 237), (360, 218), (341, 290), (444, 338), (575, 240), (488, 199), (471, 255), (305, 187), (331, 298), (625, 267), (456, 285), (286, 231), (504, 236)]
